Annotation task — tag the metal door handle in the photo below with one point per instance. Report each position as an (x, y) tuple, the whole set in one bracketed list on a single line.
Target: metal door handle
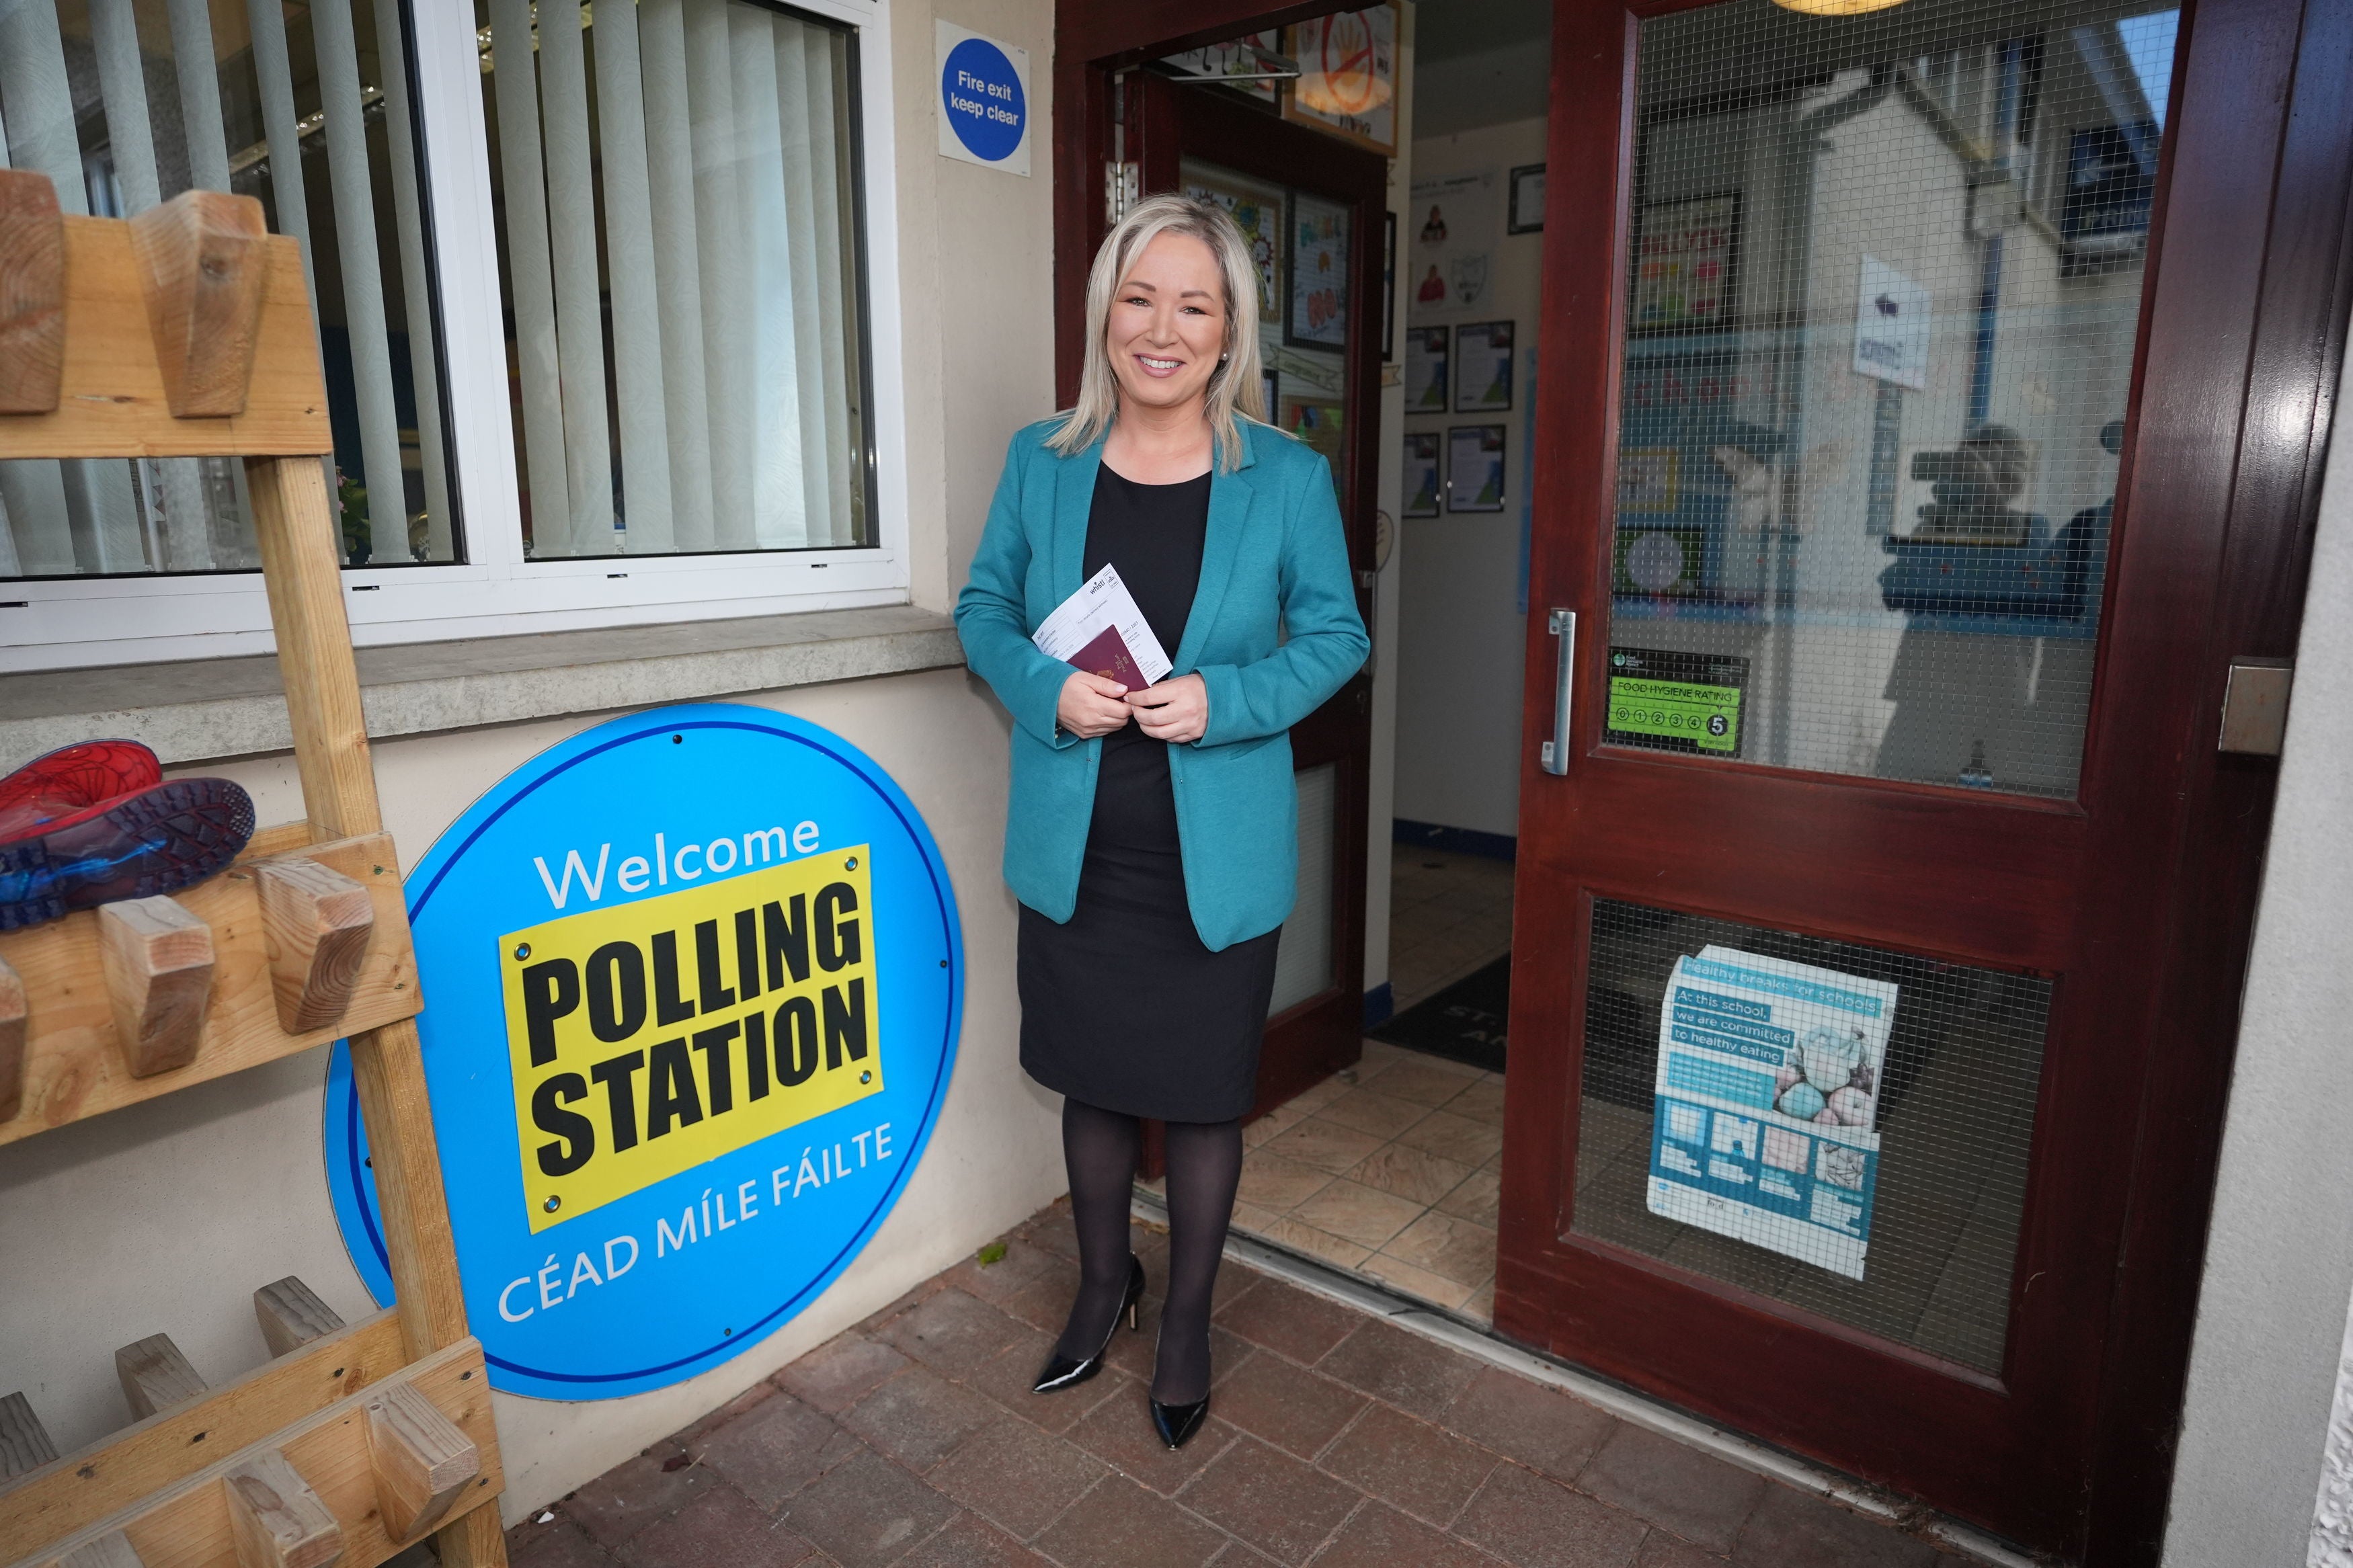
[(1562, 625)]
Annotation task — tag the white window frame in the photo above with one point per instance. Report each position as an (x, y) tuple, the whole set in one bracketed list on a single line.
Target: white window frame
[(57, 623)]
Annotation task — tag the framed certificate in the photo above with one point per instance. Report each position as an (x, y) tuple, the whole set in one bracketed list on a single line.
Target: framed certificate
[(1527, 199), (1426, 380), (1483, 367), (1474, 468), (1421, 468)]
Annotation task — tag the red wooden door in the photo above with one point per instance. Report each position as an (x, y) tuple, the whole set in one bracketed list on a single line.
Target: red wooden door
[(1320, 347), (1893, 382)]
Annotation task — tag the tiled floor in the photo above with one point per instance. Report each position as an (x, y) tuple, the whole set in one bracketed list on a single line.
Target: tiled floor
[(1390, 1168), (1335, 1439), (1450, 916)]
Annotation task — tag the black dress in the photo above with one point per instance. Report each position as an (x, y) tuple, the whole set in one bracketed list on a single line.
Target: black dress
[(1123, 1006)]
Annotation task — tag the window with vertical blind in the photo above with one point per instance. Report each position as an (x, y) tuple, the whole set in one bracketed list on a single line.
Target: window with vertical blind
[(598, 289), (677, 223), (126, 103)]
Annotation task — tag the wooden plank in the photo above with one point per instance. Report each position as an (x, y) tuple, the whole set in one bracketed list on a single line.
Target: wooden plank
[(157, 957), (185, 1524), (278, 838), (156, 1376), (72, 1070), (275, 1520), (423, 1462), (203, 262), (301, 552), (291, 1315), (71, 1494), (301, 563), (24, 1445), (13, 1010), (389, 1075), (32, 293), (112, 401), (114, 1550), (318, 922)]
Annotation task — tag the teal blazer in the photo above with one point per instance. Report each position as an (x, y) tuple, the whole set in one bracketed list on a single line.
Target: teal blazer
[(1273, 634)]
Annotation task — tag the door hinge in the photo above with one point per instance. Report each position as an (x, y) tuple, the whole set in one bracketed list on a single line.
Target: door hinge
[(1122, 184)]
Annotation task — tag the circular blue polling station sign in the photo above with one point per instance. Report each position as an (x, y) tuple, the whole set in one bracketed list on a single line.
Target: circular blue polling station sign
[(693, 980), (981, 94)]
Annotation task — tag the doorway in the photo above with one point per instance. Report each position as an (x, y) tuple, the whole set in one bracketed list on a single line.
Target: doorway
[(1870, 782), (1880, 896)]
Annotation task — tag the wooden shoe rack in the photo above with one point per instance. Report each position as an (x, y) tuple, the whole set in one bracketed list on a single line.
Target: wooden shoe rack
[(187, 332)]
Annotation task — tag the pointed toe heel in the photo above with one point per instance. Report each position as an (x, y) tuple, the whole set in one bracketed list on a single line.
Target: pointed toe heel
[(1062, 1371), (1175, 1423)]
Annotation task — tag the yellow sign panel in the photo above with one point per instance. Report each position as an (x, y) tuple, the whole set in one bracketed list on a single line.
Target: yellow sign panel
[(655, 1036)]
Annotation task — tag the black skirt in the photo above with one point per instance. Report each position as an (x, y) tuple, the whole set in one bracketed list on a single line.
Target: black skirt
[(1123, 1006)]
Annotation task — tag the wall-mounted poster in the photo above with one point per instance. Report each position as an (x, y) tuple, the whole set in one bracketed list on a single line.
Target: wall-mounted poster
[(1483, 367), (1767, 1096), (1687, 250), (1420, 486), (1425, 379), (1257, 211), (1527, 199), (1319, 273), (1316, 421), (1347, 75), (1239, 56), (1474, 468), (1454, 222)]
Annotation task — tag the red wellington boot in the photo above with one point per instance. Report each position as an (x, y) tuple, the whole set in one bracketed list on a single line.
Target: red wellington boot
[(72, 778), (72, 837)]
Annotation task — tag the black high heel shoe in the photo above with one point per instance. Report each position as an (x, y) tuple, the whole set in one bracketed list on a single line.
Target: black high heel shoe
[(1061, 1372), (1178, 1423)]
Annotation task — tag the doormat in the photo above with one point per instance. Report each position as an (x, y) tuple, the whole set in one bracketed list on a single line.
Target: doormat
[(1463, 1023)]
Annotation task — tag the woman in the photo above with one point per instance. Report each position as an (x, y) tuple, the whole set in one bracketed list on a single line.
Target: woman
[(1153, 835)]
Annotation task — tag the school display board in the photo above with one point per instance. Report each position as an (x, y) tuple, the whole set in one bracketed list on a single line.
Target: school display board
[(692, 983), (1767, 1123)]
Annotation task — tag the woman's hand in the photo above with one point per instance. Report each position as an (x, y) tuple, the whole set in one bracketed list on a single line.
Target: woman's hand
[(1090, 706), (1174, 710)]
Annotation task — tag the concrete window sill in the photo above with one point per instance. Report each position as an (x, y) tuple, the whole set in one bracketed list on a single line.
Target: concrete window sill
[(204, 708)]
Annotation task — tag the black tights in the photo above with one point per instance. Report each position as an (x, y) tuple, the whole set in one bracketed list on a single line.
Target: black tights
[(1205, 1166)]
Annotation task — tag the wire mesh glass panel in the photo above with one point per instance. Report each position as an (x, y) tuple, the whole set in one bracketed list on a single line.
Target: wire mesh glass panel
[(1884, 282), (1303, 958), (1832, 1125)]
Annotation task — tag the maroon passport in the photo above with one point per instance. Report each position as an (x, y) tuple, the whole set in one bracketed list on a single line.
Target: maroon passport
[(1107, 656)]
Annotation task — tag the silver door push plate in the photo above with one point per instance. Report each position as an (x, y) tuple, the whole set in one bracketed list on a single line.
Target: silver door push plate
[(2254, 707)]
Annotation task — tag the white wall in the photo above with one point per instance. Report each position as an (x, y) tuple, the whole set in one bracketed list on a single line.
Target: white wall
[(1461, 638), (165, 1216), (2272, 1311)]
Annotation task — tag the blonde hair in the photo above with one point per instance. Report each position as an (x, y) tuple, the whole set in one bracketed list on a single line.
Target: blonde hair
[(1235, 386)]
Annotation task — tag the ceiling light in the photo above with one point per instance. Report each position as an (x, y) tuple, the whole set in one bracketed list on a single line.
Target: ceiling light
[(1836, 7)]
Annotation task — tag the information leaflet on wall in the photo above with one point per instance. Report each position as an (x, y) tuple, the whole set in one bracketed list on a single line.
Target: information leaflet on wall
[(1766, 1127)]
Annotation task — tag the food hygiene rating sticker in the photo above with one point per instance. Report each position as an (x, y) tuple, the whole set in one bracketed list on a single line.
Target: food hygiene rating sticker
[(655, 1037), (692, 981)]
